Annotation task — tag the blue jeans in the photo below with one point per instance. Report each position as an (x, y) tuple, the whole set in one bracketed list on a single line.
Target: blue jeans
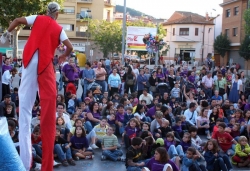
[(62, 152), (89, 125), (85, 89), (112, 154), (60, 83), (103, 84), (137, 168), (223, 163), (208, 92), (37, 149), (108, 68), (175, 151)]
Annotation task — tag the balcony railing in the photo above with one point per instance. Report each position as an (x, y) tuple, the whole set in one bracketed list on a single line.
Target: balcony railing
[(84, 1), (79, 16), (82, 34), (109, 3)]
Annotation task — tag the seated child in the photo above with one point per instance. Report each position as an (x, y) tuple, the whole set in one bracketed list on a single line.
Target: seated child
[(213, 159), (224, 139), (71, 104), (186, 142), (62, 149), (97, 93), (79, 144), (190, 161), (163, 129), (109, 146), (9, 114), (12, 130), (177, 128), (128, 115), (195, 139), (111, 119), (235, 131), (242, 153), (132, 130)]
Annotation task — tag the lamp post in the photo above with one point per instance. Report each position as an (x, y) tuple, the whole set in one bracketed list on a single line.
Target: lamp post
[(87, 43), (123, 31)]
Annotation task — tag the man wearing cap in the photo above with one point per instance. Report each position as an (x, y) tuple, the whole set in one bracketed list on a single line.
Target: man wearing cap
[(38, 74)]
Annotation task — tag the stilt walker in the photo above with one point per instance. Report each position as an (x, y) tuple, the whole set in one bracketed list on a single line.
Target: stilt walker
[(38, 75)]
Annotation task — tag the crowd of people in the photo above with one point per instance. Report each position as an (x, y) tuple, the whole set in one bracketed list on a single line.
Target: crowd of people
[(123, 106)]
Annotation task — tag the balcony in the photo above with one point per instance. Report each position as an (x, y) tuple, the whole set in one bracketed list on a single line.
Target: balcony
[(85, 1), (109, 3), (82, 34)]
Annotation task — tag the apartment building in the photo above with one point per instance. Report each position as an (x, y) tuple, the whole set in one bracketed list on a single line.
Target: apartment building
[(189, 36), (233, 27), (71, 19)]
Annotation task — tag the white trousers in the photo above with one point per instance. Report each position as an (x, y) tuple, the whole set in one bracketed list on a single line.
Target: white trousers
[(27, 97)]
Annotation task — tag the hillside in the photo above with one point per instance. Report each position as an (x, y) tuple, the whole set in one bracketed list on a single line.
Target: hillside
[(132, 12)]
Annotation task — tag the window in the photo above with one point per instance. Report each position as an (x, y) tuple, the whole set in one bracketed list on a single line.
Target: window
[(235, 31), (227, 32), (236, 10), (184, 31), (228, 13), (68, 27), (69, 10), (196, 31), (173, 31), (248, 4)]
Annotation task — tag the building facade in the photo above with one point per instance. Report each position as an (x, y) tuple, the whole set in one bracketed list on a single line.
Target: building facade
[(71, 19), (233, 27), (189, 36)]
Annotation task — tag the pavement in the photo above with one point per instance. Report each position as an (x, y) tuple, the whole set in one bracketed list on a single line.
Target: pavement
[(96, 164)]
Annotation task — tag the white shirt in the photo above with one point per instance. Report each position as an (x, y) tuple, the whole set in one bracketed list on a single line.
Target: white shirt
[(148, 98), (6, 78), (66, 120), (135, 71), (188, 115), (207, 81), (239, 83)]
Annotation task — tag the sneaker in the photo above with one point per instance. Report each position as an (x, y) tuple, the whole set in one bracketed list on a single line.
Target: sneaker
[(76, 158), (89, 157), (56, 164), (38, 167), (72, 162), (208, 137), (123, 159), (93, 146), (90, 148), (103, 157), (65, 163)]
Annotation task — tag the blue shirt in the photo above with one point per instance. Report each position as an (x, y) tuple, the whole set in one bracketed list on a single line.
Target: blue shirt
[(216, 98), (141, 79), (107, 62), (114, 80), (88, 73)]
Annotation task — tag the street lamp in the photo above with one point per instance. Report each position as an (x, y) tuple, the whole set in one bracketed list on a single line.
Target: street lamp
[(87, 43), (123, 31)]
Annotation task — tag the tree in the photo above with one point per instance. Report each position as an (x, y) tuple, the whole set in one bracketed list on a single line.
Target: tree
[(222, 45), (106, 35), (247, 21), (11, 9), (244, 50)]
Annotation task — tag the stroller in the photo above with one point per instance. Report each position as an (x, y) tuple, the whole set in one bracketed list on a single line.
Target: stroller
[(92, 86), (163, 88)]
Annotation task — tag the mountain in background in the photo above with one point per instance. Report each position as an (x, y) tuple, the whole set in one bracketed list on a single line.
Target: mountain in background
[(132, 12)]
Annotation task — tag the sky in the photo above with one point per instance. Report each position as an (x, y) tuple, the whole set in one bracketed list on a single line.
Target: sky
[(165, 8)]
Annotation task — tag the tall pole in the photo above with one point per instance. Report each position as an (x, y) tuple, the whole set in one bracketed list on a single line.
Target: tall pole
[(157, 51), (123, 31)]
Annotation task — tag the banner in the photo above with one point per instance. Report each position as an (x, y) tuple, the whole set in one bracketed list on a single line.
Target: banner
[(134, 39)]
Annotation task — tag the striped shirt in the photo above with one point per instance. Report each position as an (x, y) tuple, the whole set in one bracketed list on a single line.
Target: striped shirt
[(109, 141)]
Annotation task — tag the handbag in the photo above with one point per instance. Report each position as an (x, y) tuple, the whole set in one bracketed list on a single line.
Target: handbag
[(221, 90), (130, 81), (152, 88)]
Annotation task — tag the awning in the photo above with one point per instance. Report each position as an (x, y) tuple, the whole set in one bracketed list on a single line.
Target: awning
[(3, 49)]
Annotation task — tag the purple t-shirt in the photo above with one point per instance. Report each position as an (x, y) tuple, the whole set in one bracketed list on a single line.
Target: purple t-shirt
[(95, 115), (168, 143), (240, 120), (131, 131), (79, 142), (6, 67), (191, 78), (185, 146), (154, 165), (69, 72), (119, 117), (160, 75), (177, 128), (151, 112), (111, 122)]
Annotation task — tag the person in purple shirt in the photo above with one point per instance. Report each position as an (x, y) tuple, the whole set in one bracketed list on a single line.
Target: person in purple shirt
[(152, 110), (93, 116), (79, 144), (69, 70), (131, 131), (191, 78), (6, 66), (161, 161), (119, 118), (160, 75)]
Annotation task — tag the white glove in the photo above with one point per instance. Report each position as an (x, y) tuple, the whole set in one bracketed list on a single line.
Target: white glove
[(5, 36)]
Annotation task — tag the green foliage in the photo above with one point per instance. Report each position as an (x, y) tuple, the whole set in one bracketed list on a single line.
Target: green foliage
[(11, 9), (222, 44), (107, 36), (132, 12), (247, 21), (244, 50)]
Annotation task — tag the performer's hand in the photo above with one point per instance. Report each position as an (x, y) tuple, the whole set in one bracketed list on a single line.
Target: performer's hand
[(62, 58)]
